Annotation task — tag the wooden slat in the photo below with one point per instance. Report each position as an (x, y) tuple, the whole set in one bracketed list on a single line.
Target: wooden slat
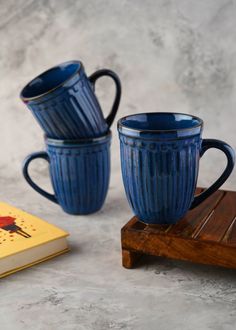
[(220, 220), (195, 218), (158, 228), (230, 236)]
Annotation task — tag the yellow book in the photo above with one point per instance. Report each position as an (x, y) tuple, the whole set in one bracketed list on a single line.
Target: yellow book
[(26, 240)]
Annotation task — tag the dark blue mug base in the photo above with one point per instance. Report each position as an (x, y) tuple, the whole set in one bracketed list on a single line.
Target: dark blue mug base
[(85, 211), (160, 221)]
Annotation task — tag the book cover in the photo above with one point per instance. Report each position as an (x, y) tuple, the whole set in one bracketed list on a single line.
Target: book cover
[(26, 240)]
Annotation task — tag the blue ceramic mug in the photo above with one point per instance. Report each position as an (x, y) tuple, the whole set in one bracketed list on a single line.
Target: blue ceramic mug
[(79, 171), (63, 102), (160, 155)]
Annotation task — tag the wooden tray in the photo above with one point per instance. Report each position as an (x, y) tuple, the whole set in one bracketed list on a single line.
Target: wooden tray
[(206, 235)]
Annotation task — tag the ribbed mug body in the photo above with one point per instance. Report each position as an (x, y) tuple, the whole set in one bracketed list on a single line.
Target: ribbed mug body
[(71, 111), (80, 175), (160, 176), (160, 153)]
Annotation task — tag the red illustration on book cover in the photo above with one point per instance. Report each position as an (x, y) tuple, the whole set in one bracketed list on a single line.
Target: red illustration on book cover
[(8, 223)]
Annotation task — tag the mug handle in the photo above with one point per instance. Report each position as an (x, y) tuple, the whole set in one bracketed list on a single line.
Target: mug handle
[(230, 155), (28, 159), (105, 72)]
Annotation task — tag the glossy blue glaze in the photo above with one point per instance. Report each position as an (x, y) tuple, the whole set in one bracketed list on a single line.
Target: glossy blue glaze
[(64, 104), (160, 125), (79, 171), (160, 155)]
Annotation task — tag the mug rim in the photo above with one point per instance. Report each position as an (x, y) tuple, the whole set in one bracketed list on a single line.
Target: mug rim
[(121, 126), (71, 142), (80, 67)]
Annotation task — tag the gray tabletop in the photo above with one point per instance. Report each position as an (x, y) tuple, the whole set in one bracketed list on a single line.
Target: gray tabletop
[(87, 288)]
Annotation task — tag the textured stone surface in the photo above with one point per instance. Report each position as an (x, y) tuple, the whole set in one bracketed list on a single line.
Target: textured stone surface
[(171, 56)]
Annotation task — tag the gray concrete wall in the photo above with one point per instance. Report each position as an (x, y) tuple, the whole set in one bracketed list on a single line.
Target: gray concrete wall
[(170, 56)]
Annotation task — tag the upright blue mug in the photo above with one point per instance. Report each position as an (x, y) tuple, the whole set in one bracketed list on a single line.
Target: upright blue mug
[(63, 101), (79, 171), (160, 155)]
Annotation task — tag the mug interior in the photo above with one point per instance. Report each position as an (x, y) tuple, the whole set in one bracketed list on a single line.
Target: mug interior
[(160, 121), (50, 79)]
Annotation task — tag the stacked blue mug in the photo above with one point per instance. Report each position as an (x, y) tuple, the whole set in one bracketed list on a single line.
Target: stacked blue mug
[(77, 136)]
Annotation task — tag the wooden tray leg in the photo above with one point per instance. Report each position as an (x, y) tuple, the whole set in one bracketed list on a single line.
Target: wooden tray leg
[(129, 258)]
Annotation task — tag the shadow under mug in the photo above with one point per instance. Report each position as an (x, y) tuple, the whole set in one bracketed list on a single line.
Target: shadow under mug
[(79, 171), (63, 101), (160, 155)]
